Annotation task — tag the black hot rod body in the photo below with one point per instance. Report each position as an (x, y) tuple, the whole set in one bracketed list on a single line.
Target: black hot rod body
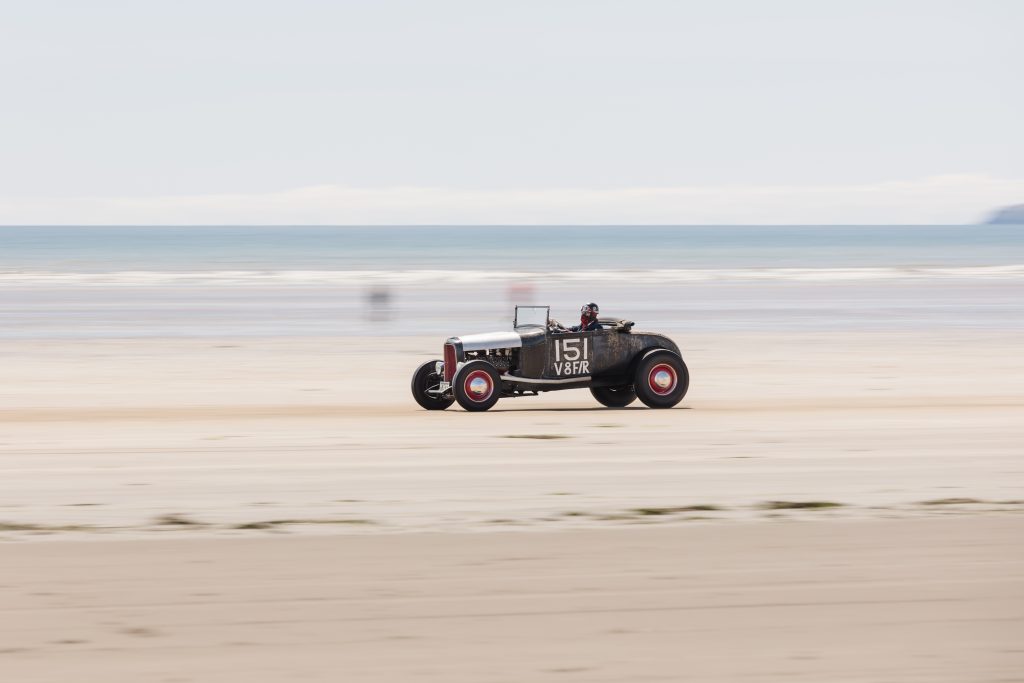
[(617, 364)]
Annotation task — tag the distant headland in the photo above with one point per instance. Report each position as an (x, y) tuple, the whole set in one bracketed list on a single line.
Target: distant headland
[(1010, 215)]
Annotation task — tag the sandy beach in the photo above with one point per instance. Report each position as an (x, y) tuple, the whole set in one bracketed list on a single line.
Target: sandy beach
[(819, 507), (891, 600), (108, 438), (233, 233)]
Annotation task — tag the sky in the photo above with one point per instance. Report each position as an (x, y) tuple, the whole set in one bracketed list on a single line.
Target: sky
[(551, 112)]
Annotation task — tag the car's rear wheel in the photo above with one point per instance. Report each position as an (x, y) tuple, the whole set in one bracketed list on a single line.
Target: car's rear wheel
[(614, 397), (477, 385), (661, 379), (426, 377)]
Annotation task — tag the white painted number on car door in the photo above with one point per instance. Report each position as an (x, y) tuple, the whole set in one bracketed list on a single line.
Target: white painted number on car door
[(572, 356)]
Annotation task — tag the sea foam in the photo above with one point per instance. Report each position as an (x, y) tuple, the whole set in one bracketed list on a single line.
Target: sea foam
[(359, 278)]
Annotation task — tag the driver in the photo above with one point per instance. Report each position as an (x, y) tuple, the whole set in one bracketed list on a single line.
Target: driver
[(588, 320)]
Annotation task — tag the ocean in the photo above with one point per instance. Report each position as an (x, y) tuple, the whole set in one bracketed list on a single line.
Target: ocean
[(116, 282)]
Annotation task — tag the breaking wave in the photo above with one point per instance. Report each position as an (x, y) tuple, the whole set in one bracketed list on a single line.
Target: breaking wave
[(352, 278)]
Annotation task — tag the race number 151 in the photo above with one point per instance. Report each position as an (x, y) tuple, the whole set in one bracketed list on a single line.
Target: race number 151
[(572, 356), (570, 349)]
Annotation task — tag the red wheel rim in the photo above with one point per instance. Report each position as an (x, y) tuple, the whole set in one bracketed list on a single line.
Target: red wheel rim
[(662, 379), (478, 386)]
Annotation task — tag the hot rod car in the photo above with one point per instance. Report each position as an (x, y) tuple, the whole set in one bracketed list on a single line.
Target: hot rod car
[(617, 364)]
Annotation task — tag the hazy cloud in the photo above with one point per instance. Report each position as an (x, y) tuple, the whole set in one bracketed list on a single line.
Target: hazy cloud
[(951, 199)]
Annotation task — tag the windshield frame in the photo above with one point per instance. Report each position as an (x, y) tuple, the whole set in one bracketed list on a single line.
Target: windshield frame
[(543, 325)]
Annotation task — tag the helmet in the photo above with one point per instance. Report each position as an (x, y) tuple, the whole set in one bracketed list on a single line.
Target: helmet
[(589, 311)]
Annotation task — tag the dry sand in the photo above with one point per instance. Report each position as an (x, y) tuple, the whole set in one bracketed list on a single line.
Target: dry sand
[(897, 600), (268, 510)]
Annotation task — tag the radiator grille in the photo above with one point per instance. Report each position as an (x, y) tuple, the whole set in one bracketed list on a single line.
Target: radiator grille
[(449, 362)]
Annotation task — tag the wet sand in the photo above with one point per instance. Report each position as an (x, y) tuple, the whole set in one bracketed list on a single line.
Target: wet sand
[(110, 437)]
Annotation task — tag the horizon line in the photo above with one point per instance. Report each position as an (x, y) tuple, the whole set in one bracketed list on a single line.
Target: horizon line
[(501, 225)]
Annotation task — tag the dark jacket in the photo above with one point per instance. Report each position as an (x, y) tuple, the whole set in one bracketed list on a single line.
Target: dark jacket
[(592, 325)]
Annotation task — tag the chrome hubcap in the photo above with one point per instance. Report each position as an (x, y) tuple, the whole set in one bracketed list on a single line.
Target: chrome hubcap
[(662, 379), (479, 386)]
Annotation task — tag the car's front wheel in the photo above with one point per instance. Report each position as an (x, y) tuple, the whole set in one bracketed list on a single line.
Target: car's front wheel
[(425, 378), (614, 397), (477, 385), (661, 379)]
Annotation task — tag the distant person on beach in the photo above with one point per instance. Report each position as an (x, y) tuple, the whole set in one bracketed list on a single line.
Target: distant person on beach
[(378, 302)]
